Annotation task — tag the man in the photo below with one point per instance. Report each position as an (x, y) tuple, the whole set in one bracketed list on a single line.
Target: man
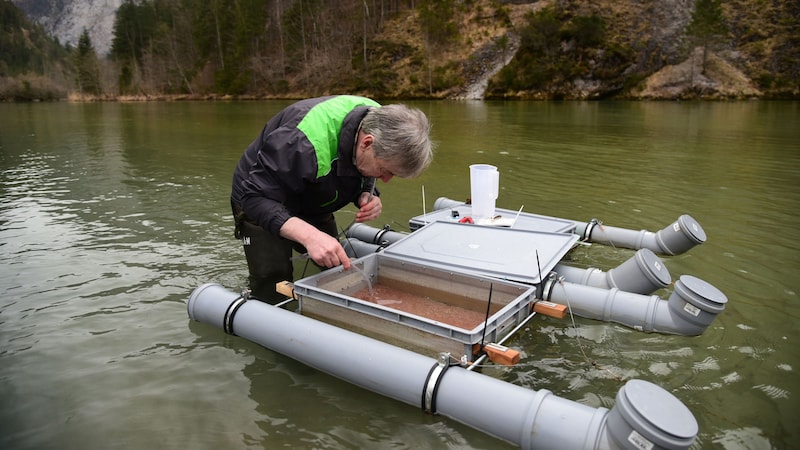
[(311, 159)]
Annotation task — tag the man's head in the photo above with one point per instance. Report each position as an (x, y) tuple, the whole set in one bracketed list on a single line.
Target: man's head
[(400, 139)]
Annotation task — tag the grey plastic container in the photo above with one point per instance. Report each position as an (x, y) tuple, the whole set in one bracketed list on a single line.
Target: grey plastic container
[(513, 254), (328, 296)]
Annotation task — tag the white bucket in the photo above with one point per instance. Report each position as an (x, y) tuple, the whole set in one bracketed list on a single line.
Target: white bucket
[(484, 184)]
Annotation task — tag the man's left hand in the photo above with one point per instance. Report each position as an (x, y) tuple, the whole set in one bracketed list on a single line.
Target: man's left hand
[(371, 207)]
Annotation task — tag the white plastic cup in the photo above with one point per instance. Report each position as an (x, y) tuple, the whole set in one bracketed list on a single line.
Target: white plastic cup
[(484, 185)]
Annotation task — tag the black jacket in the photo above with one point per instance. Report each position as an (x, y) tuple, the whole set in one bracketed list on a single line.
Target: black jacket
[(302, 163)]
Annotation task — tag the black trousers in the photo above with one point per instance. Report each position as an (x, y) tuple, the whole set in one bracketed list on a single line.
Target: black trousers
[(269, 256)]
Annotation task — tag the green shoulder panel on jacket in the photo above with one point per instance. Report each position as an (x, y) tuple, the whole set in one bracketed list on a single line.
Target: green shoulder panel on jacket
[(323, 123)]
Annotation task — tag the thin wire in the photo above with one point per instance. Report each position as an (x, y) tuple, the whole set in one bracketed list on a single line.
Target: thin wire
[(352, 247), (424, 212), (401, 225), (580, 344), (517, 216), (539, 267), (369, 199), (305, 268), (486, 321)]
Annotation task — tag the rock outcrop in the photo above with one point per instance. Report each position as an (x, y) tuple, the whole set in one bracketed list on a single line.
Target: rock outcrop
[(485, 63), (66, 19), (719, 80)]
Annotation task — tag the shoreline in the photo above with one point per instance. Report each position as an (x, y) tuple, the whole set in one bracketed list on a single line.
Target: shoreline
[(83, 98), (73, 98)]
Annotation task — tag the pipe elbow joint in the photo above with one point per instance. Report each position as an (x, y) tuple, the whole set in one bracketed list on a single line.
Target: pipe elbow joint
[(445, 203), (633, 422), (680, 236), (694, 304)]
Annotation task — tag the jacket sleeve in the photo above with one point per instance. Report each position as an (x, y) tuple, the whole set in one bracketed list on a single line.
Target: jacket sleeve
[(283, 165)]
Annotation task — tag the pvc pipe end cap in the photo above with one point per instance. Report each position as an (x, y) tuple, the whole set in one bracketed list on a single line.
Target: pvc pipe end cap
[(682, 235), (701, 294), (644, 273), (651, 417), (692, 228), (653, 267)]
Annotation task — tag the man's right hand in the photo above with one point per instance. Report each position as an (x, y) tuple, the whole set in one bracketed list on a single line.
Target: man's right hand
[(323, 249), (326, 251)]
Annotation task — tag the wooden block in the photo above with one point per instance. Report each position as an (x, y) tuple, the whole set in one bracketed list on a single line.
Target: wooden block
[(550, 309), (500, 354), (286, 288)]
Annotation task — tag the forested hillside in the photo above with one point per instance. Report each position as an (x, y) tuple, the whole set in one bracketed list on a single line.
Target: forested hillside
[(437, 49), (33, 66)]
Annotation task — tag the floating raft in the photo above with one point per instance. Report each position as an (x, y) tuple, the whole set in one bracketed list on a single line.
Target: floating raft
[(435, 301)]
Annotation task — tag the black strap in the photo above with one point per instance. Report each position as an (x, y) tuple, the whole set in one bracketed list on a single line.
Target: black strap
[(431, 387), (587, 232), (227, 321)]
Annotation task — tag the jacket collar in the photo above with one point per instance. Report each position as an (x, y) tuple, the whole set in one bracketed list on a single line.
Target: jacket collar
[(347, 141)]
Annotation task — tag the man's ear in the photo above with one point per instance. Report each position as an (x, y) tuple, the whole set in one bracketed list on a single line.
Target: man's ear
[(368, 140)]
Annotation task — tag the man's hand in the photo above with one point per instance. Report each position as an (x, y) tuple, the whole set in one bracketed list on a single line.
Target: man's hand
[(371, 207), (322, 248), (326, 251)]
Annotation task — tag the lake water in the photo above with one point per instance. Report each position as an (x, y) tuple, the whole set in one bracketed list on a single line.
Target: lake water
[(111, 214)]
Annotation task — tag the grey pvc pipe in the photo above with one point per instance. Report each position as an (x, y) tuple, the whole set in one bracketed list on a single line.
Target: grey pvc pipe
[(380, 236), (356, 248), (445, 203), (644, 414), (677, 238), (643, 273), (692, 306)]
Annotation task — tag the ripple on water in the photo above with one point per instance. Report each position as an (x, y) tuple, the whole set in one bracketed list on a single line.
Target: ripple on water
[(732, 377), (750, 438), (663, 368), (772, 392), (710, 363)]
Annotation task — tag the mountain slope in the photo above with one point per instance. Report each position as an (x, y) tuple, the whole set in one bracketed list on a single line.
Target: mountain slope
[(545, 49), (66, 19)]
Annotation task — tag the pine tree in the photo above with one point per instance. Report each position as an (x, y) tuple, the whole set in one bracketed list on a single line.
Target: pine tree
[(87, 68), (707, 27)]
